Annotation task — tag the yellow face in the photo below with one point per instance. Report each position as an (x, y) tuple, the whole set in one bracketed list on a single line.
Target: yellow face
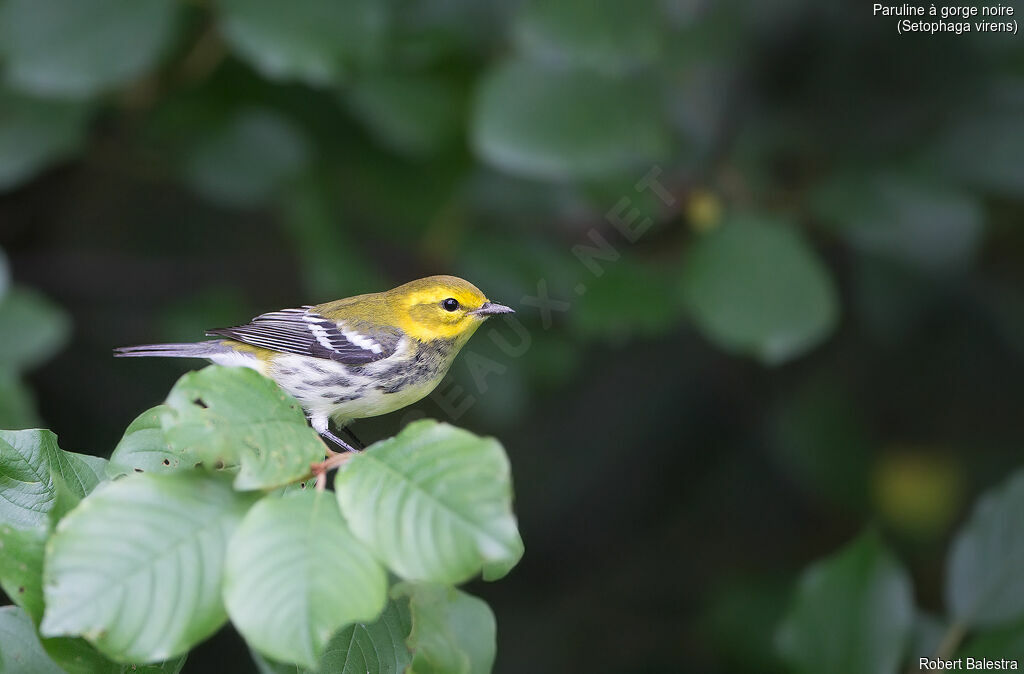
[(442, 307)]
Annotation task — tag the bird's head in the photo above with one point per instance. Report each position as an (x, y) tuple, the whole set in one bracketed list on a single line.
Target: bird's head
[(442, 307)]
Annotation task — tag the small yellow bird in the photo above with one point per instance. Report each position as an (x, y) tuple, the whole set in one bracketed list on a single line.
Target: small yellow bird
[(352, 358)]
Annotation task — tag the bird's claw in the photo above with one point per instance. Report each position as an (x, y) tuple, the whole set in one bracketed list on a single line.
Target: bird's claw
[(320, 468)]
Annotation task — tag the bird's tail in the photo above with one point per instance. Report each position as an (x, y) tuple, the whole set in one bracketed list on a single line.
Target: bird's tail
[(185, 350)]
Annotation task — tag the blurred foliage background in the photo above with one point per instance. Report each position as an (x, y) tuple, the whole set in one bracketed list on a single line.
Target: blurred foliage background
[(777, 249)]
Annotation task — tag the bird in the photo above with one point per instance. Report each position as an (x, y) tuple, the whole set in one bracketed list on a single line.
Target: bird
[(352, 358)]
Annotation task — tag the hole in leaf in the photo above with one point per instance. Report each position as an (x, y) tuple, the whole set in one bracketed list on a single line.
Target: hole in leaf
[(21, 590), (302, 485), (199, 401), (167, 462), (218, 464), (138, 470)]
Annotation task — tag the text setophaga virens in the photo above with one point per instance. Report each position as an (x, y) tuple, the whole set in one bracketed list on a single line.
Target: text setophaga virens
[(352, 358)]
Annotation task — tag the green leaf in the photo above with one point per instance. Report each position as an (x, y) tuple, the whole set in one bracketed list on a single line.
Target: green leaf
[(81, 47), (1001, 642), (890, 298), (29, 461), (136, 568), (248, 159), (22, 552), (434, 503), (1004, 306), (17, 405), (5, 268), (607, 35), (296, 554), (753, 286), (32, 329), (742, 613), (65, 498), (853, 613), (822, 444), (374, 648), (927, 224), (416, 115), (22, 549), (314, 41), (452, 632), (265, 666), (20, 650), (292, 488), (77, 656), (21, 567), (984, 586), (144, 448), (984, 150), (35, 133), (926, 636), (227, 416), (172, 666), (560, 124)]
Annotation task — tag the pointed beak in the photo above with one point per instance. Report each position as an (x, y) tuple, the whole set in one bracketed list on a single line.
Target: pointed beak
[(490, 308)]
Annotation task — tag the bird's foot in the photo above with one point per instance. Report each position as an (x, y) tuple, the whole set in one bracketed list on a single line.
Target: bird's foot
[(319, 469)]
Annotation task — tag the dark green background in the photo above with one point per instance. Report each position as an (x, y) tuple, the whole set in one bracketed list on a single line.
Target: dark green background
[(824, 330)]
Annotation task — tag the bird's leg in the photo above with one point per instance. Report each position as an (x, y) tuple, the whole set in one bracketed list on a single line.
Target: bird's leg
[(337, 441), (322, 426), (334, 459), (355, 439)]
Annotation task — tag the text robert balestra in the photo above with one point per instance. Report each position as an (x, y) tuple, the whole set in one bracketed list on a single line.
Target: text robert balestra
[(966, 664)]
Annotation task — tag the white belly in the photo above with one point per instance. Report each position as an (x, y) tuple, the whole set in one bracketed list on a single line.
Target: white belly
[(327, 388)]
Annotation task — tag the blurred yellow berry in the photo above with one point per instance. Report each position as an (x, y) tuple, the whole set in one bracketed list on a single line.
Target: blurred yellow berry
[(703, 210), (918, 491)]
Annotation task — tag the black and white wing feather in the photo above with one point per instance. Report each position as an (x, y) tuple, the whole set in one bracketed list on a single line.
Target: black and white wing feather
[(307, 333)]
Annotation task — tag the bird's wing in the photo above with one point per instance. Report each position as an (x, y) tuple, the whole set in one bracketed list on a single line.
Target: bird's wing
[(307, 333)]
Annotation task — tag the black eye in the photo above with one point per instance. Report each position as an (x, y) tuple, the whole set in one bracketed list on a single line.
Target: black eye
[(450, 304)]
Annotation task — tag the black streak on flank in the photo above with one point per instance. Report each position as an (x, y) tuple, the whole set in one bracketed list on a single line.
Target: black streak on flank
[(392, 371), (425, 365), (441, 347), (335, 380), (395, 386)]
